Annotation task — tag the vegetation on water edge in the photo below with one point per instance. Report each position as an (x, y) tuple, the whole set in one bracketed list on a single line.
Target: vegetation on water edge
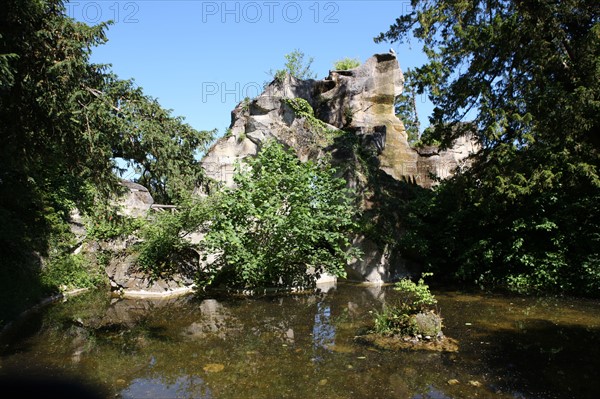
[(283, 224), (412, 315)]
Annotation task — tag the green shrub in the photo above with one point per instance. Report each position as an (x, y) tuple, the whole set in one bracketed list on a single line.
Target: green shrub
[(284, 219), (412, 315), (164, 248), (302, 109), (296, 66), (105, 224), (416, 297), (68, 272), (345, 64)]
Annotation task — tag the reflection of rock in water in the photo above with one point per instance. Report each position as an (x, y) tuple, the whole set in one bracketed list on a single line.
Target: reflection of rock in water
[(376, 291), (325, 285), (366, 296), (79, 342), (131, 311), (216, 322)]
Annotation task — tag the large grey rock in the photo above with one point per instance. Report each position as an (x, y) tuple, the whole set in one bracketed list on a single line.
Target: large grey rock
[(377, 264), (135, 201), (126, 277)]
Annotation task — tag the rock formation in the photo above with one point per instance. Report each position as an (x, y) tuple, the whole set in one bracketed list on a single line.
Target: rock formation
[(359, 102)]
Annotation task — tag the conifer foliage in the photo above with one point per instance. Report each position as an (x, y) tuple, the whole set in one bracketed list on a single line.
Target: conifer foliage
[(527, 73)]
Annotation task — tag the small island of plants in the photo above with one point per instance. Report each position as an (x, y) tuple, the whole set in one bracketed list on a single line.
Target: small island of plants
[(413, 322)]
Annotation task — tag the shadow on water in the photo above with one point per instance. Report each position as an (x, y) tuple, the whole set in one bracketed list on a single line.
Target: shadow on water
[(549, 360), (532, 347), (40, 385)]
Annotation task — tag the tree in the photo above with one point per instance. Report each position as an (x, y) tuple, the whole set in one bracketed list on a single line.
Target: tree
[(526, 214), (296, 66), (284, 223), (161, 148), (63, 121), (406, 109)]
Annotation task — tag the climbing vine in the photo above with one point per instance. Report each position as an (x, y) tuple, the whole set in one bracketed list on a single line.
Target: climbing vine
[(303, 109)]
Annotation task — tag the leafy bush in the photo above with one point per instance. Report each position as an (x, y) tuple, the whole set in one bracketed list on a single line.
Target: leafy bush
[(416, 297), (303, 109), (164, 248), (526, 214), (71, 271), (105, 224), (413, 314), (345, 64), (296, 66), (285, 223)]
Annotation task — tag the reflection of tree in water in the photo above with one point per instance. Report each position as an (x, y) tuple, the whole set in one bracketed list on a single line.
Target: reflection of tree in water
[(323, 328)]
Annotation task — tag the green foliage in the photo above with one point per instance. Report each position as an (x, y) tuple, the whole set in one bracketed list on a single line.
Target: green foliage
[(246, 104), (283, 220), (165, 247), (414, 312), (68, 272), (105, 223), (303, 109), (416, 297), (319, 136), (346, 64), (64, 122), (525, 215), (295, 66), (161, 148), (406, 108), (428, 138)]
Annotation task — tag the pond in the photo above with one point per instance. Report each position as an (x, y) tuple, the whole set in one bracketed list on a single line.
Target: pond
[(303, 346)]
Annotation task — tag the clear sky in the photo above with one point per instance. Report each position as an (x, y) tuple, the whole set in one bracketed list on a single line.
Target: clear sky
[(200, 58)]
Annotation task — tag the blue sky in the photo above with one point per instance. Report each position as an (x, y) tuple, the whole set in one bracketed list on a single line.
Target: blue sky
[(200, 58)]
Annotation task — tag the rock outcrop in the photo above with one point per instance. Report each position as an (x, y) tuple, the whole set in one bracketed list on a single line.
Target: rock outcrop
[(360, 102), (129, 281)]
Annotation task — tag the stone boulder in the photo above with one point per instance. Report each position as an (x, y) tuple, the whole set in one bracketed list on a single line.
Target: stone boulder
[(129, 281), (135, 201)]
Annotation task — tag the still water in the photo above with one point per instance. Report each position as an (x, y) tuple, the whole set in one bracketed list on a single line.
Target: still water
[(303, 346)]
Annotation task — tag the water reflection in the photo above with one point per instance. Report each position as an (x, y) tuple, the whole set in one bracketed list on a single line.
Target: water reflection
[(215, 321), (300, 346), (182, 387), (323, 331)]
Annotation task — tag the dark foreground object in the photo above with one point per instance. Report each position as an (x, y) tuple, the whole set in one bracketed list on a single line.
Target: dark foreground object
[(46, 387)]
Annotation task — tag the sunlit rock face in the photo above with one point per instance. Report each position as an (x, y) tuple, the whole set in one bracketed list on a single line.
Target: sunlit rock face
[(135, 201), (359, 101)]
